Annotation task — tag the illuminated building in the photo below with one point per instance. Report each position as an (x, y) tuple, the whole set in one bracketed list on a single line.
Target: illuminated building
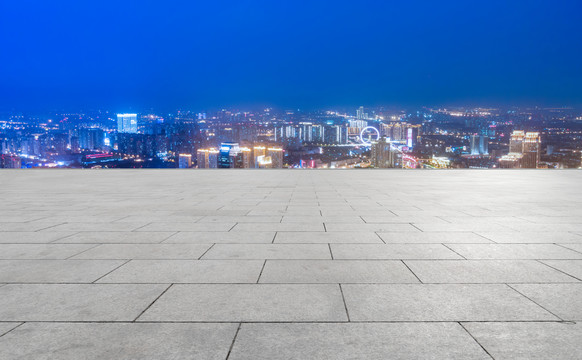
[(524, 151), (10, 162), (479, 145), (91, 139), (531, 150), (276, 155), (207, 158), (360, 114), (185, 161), (127, 123), (382, 155)]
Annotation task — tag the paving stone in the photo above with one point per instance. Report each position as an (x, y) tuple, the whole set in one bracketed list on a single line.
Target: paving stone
[(75, 302), (112, 237), (185, 271), (160, 226), (433, 237), (486, 271), (6, 327), (427, 302), (575, 247), (530, 340), (257, 302), (268, 251), (145, 251), (335, 227), (189, 237), (556, 298), (355, 341), (15, 237), (336, 271), (110, 226), (570, 267), (40, 251), (241, 219), (392, 251), (514, 251), (278, 227), (532, 237), (96, 341), (55, 271), (23, 227), (327, 238), (477, 227)]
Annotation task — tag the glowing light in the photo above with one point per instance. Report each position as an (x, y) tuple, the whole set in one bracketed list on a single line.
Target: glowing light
[(368, 143)]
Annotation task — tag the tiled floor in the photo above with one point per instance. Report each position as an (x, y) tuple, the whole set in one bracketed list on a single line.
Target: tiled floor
[(284, 264)]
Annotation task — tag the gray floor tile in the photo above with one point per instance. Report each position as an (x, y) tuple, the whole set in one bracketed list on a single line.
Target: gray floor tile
[(426, 302), (477, 227), (570, 267), (336, 271), (15, 237), (392, 251), (327, 237), (112, 237), (159, 226), (258, 302), (278, 227), (528, 341), (433, 237), (75, 302), (96, 341), (486, 271), (40, 251), (7, 326), (355, 341), (525, 237), (268, 251), (55, 271), (556, 298), (23, 227), (110, 226), (186, 271), (333, 227), (575, 247), (189, 237), (514, 251), (145, 251)]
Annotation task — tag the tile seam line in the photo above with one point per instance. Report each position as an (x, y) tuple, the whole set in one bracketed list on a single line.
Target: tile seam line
[(109, 272), (152, 303), (233, 340), (561, 271), (344, 301), (475, 339), (530, 299), (289, 321), (79, 253)]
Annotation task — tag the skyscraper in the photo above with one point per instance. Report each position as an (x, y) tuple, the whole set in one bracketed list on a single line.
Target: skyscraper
[(531, 150), (127, 123), (382, 154), (185, 161), (479, 145), (524, 151)]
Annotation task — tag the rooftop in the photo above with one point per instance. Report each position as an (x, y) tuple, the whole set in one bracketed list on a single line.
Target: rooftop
[(285, 264)]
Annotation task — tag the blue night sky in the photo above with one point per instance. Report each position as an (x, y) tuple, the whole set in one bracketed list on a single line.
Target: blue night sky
[(203, 54)]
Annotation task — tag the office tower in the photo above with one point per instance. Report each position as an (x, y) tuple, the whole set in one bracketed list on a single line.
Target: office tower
[(276, 155), (531, 150), (516, 142), (10, 162), (524, 151), (382, 154), (185, 161), (127, 123), (207, 158), (360, 114), (91, 139), (479, 145), (259, 158)]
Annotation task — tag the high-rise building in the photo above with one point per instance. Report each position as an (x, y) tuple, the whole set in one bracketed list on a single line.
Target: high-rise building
[(360, 114), (226, 151), (531, 150), (207, 158), (185, 161), (127, 123), (479, 145), (10, 162), (276, 155), (382, 154), (91, 139), (524, 151)]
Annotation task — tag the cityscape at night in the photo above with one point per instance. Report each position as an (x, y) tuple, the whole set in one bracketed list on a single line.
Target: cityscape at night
[(293, 180), (378, 137)]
